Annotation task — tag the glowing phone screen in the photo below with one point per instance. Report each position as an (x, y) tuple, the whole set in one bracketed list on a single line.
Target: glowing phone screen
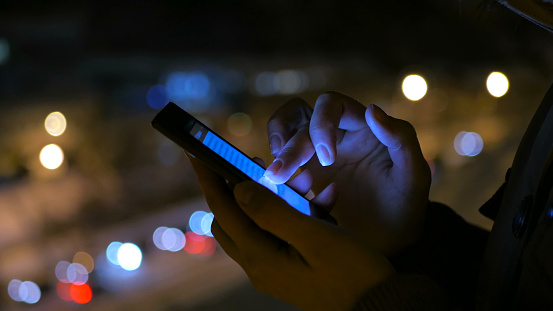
[(250, 168)]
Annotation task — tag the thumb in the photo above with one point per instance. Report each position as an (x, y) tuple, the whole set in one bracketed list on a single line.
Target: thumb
[(399, 136), (273, 214)]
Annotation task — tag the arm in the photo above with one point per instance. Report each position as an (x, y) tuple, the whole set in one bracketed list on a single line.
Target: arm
[(440, 272), (450, 252), (299, 259)]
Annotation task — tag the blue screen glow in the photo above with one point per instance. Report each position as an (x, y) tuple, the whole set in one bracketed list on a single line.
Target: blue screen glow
[(250, 168)]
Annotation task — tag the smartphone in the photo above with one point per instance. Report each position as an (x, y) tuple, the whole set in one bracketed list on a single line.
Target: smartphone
[(225, 159)]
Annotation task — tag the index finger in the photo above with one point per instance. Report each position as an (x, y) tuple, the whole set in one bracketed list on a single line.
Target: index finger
[(334, 111), (286, 121)]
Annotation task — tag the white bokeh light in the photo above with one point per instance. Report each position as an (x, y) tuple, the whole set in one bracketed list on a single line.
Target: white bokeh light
[(77, 274), (158, 238), (173, 239), (195, 222), (13, 289), (497, 84), (29, 292), (61, 271), (206, 222), (129, 256), (169, 239), (468, 144), (51, 156), (267, 83), (112, 251), (55, 123), (414, 87)]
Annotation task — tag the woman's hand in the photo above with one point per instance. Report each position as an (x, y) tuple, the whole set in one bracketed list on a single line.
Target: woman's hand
[(375, 161), (299, 259)]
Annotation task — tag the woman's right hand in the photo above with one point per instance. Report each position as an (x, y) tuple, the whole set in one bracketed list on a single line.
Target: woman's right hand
[(375, 161)]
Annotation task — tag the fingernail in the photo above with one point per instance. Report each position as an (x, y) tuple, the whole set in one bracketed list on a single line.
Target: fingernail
[(378, 113), (323, 154), (243, 193), (276, 144), (274, 168)]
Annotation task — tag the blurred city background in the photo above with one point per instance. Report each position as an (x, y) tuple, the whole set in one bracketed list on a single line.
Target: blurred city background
[(100, 212)]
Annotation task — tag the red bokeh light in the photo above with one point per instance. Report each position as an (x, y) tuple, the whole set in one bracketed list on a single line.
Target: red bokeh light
[(195, 243), (81, 293), (63, 289), (209, 247), (199, 244)]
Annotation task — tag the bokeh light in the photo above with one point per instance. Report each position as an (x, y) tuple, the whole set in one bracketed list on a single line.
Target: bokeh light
[(468, 144), (4, 51), (497, 84), (170, 239), (173, 239), (181, 86), (195, 222), (72, 272), (195, 243), (129, 256), (55, 123), (267, 83), (51, 156), (210, 246), (63, 290), (200, 244), (27, 291), (80, 293), (112, 251), (13, 289), (77, 274), (84, 259), (206, 222), (414, 87), (239, 124), (292, 81), (158, 238), (157, 97), (61, 271)]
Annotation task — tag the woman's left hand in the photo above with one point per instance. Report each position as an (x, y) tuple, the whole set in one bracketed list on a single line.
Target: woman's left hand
[(299, 259)]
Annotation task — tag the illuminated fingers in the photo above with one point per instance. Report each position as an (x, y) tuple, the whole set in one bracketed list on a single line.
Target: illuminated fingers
[(295, 153), (333, 111), (286, 122), (401, 139)]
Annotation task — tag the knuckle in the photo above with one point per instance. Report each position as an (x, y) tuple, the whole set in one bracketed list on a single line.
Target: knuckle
[(295, 102), (330, 95), (294, 112), (406, 128)]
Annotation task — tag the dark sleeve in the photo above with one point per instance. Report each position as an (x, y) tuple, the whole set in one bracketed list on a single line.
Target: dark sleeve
[(450, 253), (440, 272), (405, 292)]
